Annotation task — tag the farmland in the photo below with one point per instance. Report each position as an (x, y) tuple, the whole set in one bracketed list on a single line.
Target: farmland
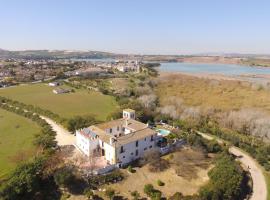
[(17, 134), (81, 102)]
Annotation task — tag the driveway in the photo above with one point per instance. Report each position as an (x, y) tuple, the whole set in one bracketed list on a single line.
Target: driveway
[(259, 183), (63, 137)]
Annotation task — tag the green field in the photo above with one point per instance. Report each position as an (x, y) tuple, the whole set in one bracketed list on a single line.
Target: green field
[(81, 102), (16, 135)]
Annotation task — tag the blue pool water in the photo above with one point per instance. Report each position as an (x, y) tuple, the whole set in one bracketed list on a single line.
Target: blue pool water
[(163, 132)]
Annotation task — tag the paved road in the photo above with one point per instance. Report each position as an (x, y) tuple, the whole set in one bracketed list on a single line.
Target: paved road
[(259, 183), (63, 137)]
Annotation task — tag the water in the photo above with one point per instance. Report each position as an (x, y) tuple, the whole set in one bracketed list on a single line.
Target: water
[(223, 69), (163, 132)]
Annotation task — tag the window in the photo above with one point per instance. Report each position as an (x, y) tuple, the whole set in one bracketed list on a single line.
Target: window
[(102, 144), (145, 149), (152, 138), (131, 154), (117, 128), (150, 147), (123, 129), (110, 130), (122, 149), (137, 152), (144, 139), (137, 143), (123, 156)]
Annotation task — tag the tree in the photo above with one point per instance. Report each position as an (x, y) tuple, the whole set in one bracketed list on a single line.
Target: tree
[(110, 193), (225, 180), (135, 194), (24, 180), (89, 193), (63, 177), (78, 122), (148, 189)]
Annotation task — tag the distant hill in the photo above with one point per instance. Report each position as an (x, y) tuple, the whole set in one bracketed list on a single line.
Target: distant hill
[(57, 54), (66, 54)]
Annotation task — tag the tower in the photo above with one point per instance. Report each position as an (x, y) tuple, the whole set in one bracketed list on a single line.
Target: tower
[(128, 114)]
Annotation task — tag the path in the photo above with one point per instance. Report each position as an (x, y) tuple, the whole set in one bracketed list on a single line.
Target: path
[(63, 137), (259, 183)]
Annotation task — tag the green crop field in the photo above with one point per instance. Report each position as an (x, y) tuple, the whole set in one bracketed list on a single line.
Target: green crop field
[(16, 142), (81, 102)]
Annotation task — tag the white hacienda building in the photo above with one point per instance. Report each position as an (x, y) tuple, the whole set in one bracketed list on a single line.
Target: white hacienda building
[(119, 141)]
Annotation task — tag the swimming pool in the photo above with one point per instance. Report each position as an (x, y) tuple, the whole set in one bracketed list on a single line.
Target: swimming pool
[(163, 132)]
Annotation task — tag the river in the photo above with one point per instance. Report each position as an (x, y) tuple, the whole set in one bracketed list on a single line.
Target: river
[(237, 71)]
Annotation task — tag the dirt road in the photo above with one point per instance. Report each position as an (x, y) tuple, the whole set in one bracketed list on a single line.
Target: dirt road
[(259, 183), (63, 137)]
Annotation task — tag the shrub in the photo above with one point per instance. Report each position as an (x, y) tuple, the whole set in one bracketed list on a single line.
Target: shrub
[(151, 192), (159, 165), (135, 195), (63, 177), (160, 183), (131, 170), (148, 189), (88, 193), (110, 193), (226, 179)]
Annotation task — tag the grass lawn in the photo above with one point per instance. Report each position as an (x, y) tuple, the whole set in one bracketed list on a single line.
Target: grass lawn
[(16, 135), (81, 102)]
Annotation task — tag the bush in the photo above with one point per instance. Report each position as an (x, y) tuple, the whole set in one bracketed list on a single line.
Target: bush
[(226, 179), (148, 189), (110, 193), (24, 180), (88, 193), (135, 195), (78, 122), (63, 177), (131, 170), (151, 192), (160, 183)]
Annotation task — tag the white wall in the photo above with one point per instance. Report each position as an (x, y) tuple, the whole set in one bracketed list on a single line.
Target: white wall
[(109, 153), (115, 132), (130, 150), (85, 144)]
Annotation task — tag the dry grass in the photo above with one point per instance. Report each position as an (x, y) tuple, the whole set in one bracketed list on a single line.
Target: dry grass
[(189, 184), (219, 94), (188, 162)]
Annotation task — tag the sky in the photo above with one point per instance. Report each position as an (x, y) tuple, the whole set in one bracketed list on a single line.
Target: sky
[(137, 26)]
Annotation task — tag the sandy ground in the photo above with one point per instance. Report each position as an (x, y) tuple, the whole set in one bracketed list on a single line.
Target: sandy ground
[(63, 137), (259, 183), (172, 181)]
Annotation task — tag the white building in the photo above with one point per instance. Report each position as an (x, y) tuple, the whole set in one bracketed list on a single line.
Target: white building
[(119, 141), (54, 84), (61, 91)]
